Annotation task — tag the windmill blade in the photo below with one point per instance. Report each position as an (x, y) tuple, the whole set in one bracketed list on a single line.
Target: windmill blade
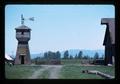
[(32, 18)]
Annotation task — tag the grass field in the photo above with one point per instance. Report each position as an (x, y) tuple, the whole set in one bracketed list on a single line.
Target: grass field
[(19, 71), (71, 69), (67, 72), (75, 72), (73, 61)]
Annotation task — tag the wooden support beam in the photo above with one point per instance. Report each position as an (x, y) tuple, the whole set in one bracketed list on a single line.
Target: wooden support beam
[(98, 73)]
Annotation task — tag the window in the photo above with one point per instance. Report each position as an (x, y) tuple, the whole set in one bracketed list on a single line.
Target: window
[(22, 33)]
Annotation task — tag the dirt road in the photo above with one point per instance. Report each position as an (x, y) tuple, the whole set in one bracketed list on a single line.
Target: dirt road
[(54, 71)]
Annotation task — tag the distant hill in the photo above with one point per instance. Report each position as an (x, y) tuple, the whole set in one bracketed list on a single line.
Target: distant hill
[(73, 52)]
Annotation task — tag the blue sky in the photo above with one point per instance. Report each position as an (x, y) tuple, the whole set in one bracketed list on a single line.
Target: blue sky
[(58, 27)]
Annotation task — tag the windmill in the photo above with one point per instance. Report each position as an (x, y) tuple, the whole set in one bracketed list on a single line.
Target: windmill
[(23, 35)]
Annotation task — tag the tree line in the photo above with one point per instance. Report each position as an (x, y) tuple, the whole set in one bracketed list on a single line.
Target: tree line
[(66, 55), (81, 56)]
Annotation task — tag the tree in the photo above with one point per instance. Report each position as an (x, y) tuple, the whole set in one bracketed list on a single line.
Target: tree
[(102, 56), (57, 55), (71, 57), (51, 55), (66, 54), (45, 55), (76, 56), (37, 59), (86, 57), (96, 56), (80, 55)]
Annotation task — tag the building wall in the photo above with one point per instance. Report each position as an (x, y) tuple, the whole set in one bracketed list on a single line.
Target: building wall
[(23, 49), (108, 54)]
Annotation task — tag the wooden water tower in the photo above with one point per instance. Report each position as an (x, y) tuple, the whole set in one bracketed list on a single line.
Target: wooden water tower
[(23, 34)]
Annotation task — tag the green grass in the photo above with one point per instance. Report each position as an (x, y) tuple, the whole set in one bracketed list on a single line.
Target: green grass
[(75, 72), (73, 61), (71, 69), (19, 71)]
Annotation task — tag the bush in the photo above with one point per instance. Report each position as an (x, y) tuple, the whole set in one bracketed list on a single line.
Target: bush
[(98, 62)]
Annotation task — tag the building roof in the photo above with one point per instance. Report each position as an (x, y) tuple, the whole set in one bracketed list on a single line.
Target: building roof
[(110, 23), (23, 27), (8, 57)]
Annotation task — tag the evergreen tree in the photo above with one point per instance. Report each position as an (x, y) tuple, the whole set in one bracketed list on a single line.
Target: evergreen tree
[(66, 54), (96, 56), (71, 57), (51, 55), (45, 55), (57, 55), (85, 57), (76, 56), (102, 56), (80, 55)]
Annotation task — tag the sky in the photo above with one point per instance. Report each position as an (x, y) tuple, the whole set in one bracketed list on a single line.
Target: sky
[(58, 27)]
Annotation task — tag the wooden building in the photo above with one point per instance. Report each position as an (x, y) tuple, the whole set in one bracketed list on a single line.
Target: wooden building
[(109, 39), (23, 53), (23, 34)]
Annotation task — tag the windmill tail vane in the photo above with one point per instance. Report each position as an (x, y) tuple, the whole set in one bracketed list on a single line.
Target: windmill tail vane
[(23, 19), (31, 19)]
